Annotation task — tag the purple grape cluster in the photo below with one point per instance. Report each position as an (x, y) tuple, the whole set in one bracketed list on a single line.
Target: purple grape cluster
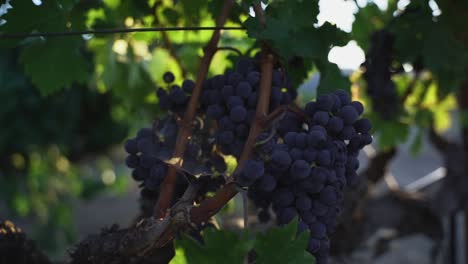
[(302, 165), (231, 100), (178, 96), (378, 74)]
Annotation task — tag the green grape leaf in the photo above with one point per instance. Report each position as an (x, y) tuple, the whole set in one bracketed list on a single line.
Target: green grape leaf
[(291, 32), (283, 245), (220, 246), (54, 64), (419, 35), (390, 132), (48, 17), (331, 78)]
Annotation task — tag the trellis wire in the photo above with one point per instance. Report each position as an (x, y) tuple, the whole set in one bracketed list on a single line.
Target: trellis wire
[(4, 36)]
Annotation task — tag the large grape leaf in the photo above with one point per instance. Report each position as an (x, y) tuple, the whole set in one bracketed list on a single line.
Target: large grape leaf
[(331, 78), (26, 17), (390, 132), (290, 29), (220, 246), (54, 64), (419, 35), (283, 245)]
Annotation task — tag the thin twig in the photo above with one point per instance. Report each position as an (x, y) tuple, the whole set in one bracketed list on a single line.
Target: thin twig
[(230, 49), (4, 36), (167, 188)]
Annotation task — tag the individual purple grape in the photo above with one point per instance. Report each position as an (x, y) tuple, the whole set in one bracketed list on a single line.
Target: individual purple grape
[(319, 174), (188, 86), (307, 216), (348, 114), (215, 111), (290, 139), (310, 155), (363, 125), (177, 95), (301, 140), (132, 161), (314, 245), (328, 196), (358, 106), (316, 138), (303, 203), (347, 133), (320, 118), (324, 158), (352, 163), (243, 89), (267, 183), (251, 171), (319, 209), (227, 91), (336, 102), (281, 159), (324, 103), (234, 101), (226, 123), (318, 230), (335, 125), (286, 215), (140, 174), (168, 77), (310, 186), (344, 97), (131, 146), (366, 139), (300, 169), (296, 154), (302, 227), (238, 114), (253, 78)]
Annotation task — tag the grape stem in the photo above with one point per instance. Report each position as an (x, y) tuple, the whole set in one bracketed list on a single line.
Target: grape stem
[(211, 206), (167, 188)]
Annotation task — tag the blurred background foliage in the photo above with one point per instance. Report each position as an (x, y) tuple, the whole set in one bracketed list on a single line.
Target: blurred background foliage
[(67, 103)]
